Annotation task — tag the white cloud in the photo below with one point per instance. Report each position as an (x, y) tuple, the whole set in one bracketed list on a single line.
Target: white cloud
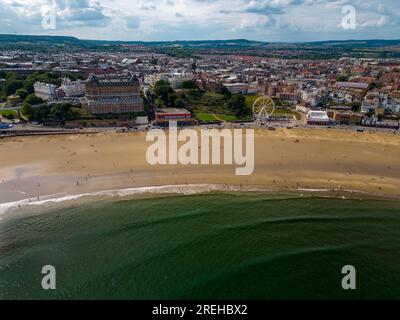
[(270, 20)]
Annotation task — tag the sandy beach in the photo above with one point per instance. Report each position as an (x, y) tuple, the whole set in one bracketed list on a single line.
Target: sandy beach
[(54, 166)]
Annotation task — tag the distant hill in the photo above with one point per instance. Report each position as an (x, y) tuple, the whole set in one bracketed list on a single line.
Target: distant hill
[(317, 50), (192, 43), (356, 43), (38, 39), (7, 38)]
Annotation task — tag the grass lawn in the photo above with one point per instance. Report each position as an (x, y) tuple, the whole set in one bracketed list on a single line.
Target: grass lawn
[(8, 113), (250, 98), (206, 117), (283, 112), (209, 117), (279, 112), (226, 117)]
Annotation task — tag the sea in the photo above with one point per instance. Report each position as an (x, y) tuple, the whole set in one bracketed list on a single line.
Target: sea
[(212, 245)]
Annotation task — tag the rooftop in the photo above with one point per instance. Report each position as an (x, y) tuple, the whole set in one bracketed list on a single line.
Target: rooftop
[(172, 111), (354, 85)]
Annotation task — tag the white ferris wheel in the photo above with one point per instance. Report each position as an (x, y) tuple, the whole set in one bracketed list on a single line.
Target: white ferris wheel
[(263, 108)]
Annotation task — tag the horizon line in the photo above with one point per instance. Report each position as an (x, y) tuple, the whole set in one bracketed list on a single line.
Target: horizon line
[(191, 40)]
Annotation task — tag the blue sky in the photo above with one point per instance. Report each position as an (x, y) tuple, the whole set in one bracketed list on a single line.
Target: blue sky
[(265, 20)]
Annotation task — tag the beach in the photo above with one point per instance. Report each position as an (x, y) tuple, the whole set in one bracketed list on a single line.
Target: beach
[(43, 167)]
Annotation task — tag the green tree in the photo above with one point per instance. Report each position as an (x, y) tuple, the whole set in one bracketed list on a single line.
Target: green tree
[(355, 106), (153, 60), (22, 93), (11, 85), (189, 85), (180, 103), (162, 89), (27, 110), (342, 78), (32, 99), (237, 103), (224, 90), (372, 86), (171, 99)]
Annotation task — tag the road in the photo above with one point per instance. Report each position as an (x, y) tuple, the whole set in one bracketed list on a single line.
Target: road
[(26, 129)]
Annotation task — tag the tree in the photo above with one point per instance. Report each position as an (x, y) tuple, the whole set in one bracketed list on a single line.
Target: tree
[(237, 103), (22, 93), (162, 89), (355, 106), (32, 99), (189, 85), (180, 103), (153, 61), (342, 78), (224, 90), (11, 85), (372, 86), (27, 110), (171, 99)]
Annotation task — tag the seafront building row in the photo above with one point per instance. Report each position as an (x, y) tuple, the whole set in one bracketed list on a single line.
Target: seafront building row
[(347, 89)]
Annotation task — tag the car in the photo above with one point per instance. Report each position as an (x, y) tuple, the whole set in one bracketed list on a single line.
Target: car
[(271, 128), (6, 125), (360, 130)]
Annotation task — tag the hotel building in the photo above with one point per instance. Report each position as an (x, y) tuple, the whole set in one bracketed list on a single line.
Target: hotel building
[(112, 94), (73, 88), (47, 91)]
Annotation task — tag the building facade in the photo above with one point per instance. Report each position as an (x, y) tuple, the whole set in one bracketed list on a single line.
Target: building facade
[(47, 91), (113, 94), (73, 88), (181, 116)]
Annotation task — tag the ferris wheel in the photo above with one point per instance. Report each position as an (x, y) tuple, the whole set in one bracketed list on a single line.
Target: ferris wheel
[(263, 108)]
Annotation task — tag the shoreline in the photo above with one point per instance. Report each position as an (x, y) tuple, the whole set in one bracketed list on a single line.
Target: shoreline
[(58, 201), (296, 159)]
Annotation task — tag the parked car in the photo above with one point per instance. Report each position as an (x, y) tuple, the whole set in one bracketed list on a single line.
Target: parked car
[(6, 125)]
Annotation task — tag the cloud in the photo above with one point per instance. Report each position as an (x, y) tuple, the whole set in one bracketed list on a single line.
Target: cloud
[(263, 8), (147, 6), (270, 20), (381, 21), (132, 22)]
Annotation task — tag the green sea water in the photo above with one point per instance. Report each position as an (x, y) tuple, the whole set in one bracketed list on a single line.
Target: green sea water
[(213, 246)]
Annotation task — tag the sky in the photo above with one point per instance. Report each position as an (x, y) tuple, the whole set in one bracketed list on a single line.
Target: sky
[(160, 20)]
